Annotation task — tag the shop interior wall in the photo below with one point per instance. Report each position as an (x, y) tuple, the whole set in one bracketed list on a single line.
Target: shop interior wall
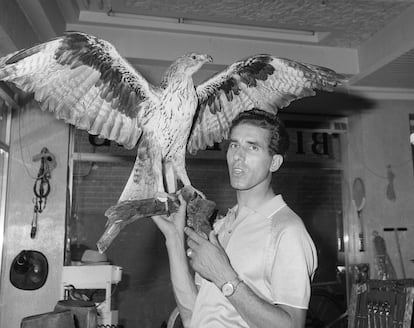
[(380, 153), (32, 130)]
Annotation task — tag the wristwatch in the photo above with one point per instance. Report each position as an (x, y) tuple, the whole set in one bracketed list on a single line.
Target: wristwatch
[(229, 287)]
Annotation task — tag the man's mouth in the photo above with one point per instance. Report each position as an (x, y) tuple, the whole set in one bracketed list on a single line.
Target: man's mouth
[(237, 171)]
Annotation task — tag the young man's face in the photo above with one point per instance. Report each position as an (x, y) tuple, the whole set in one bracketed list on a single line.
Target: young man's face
[(249, 161)]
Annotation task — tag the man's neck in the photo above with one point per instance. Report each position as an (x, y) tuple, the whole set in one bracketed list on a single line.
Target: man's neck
[(254, 198)]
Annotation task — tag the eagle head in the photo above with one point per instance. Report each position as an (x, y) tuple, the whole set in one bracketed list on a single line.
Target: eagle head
[(192, 62)]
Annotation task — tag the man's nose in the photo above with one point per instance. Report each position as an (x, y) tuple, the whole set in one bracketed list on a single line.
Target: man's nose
[(239, 154)]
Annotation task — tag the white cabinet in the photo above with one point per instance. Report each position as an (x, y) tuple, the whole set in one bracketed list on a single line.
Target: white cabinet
[(94, 277)]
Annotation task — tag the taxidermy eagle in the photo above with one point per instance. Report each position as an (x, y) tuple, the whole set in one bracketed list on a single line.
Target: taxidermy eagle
[(85, 81)]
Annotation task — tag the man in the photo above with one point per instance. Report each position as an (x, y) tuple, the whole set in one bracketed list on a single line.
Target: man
[(256, 267)]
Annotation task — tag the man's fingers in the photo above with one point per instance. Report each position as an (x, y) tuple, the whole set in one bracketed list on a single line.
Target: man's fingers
[(194, 235), (213, 238), (159, 217), (181, 212), (162, 218), (192, 244)]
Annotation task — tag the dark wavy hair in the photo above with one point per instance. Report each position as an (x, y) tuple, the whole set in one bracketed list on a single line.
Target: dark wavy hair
[(279, 138)]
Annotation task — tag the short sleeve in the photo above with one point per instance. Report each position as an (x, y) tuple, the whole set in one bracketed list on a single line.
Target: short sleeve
[(293, 266)]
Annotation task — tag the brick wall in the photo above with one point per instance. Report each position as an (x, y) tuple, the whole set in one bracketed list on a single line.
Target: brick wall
[(100, 184)]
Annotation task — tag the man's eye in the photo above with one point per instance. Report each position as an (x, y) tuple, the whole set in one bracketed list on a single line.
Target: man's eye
[(232, 145), (254, 147)]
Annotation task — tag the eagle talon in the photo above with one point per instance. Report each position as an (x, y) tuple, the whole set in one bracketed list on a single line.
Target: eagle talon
[(189, 192)]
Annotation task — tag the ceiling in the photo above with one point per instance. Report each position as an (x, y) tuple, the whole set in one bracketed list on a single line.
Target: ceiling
[(349, 23), (370, 41)]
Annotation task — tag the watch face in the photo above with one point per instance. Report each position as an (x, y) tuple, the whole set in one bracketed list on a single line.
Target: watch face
[(227, 289)]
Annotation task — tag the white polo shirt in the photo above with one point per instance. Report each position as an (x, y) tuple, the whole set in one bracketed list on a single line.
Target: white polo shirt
[(272, 253)]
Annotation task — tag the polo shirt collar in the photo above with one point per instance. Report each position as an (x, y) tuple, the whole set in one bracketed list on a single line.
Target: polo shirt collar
[(269, 208), (266, 210)]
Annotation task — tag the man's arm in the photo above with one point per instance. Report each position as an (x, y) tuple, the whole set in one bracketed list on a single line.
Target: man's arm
[(259, 313), (209, 259), (185, 290)]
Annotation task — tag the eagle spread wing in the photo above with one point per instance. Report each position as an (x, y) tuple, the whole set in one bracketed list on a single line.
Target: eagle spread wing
[(261, 81), (84, 81)]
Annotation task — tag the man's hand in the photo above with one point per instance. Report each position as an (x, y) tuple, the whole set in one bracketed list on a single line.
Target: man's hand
[(173, 225), (208, 258)]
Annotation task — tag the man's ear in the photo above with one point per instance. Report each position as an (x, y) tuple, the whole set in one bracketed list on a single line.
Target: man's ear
[(277, 161)]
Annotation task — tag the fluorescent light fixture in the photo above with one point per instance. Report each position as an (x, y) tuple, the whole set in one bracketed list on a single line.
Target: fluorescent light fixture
[(183, 25)]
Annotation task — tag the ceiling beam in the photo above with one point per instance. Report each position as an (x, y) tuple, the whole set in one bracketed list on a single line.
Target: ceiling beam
[(69, 9), (6, 44), (45, 17), (15, 26), (199, 27), (167, 45), (391, 42)]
